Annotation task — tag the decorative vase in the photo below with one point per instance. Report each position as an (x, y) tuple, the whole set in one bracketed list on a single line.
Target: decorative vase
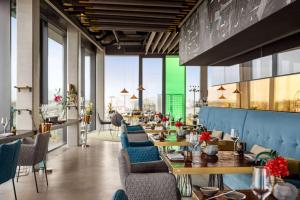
[(180, 132), (45, 127), (86, 119)]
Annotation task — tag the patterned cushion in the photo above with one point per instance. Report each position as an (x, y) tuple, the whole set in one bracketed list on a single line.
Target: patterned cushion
[(256, 149), (143, 154), (120, 195), (217, 134)]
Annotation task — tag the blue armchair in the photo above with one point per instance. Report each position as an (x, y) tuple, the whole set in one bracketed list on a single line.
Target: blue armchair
[(120, 195), (125, 142), (9, 155)]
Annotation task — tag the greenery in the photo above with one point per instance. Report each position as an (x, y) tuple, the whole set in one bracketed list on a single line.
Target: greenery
[(89, 109)]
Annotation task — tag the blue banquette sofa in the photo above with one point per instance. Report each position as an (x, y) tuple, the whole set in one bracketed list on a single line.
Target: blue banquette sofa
[(279, 131)]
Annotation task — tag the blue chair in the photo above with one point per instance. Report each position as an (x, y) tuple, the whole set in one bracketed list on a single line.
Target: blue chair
[(143, 154), (9, 155), (126, 144), (120, 195)]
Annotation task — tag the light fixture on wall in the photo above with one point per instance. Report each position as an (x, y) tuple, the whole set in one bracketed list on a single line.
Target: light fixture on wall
[(133, 97), (221, 88), (236, 91), (222, 97), (140, 88)]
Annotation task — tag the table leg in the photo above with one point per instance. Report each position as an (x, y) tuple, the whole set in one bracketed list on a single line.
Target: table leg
[(184, 184)]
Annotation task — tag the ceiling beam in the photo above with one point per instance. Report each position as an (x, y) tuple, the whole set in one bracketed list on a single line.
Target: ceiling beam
[(129, 28), (163, 41), (168, 43), (128, 14), (174, 43), (168, 4), (131, 8), (125, 21), (156, 41), (152, 35)]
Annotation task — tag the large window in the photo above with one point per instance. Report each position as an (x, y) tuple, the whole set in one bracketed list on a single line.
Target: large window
[(121, 72), (13, 66), (175, 88), (55, 83), (222, 75), (262, 67), (223, 98), (289, 62), (259, 94), (287, 93), (87, 78), (152, 82), (192, 84)]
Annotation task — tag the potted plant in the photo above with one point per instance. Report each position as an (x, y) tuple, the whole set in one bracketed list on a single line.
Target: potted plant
[(63, 102), (88, 112)]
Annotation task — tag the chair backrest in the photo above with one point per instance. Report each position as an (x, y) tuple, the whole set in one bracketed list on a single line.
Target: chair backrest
[(116, 119), (41, 147), (120, 195), (9, 154), (143, 154)]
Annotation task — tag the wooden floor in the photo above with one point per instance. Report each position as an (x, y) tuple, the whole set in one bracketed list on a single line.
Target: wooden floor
[(78, 174)]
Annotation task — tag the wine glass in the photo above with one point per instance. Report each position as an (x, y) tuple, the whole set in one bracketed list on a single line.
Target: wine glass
[(261, 183), (4, 123), (235, 137)]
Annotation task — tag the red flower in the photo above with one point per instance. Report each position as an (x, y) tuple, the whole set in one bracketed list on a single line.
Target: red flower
[(178, 124), (205, 136), (278, 167), (57, 98), (164, 119)]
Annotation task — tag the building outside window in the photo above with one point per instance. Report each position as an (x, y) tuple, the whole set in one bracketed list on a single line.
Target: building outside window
[(152, 82), (192, 81), (87, 78), (262, 67), (289, 62), (121, 72)]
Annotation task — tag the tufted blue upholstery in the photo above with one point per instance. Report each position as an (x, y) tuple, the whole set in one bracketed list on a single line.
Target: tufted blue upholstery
[(226, 119), (9, 154), (120, 195), (126, 144), (276, 130), (143, 154)]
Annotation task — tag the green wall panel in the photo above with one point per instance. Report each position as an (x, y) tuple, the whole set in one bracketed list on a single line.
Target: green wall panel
[(175, 88)]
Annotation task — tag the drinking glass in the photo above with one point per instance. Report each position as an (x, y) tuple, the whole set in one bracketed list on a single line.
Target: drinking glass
[(4, 123), (261, 183)]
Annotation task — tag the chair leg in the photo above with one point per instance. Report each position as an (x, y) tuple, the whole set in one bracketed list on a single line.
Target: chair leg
[(45, 170), (18, 175), (13, 182), (36, 185)]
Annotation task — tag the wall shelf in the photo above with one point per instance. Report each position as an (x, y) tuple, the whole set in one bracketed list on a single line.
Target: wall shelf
[(19, 88)]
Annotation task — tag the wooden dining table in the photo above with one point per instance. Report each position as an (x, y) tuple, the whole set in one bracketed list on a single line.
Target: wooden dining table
[(170, 140)]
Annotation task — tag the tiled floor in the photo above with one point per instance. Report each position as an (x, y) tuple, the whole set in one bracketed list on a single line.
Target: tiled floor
[(78, 174)]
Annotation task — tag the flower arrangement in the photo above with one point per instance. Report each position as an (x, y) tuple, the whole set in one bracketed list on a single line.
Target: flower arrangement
[(277, 167), (164, 119), (89, 109), (178, 124), (204, 137)]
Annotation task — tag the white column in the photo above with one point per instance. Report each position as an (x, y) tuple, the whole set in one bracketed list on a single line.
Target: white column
[(73, 69), (100, 107), (28, 62)]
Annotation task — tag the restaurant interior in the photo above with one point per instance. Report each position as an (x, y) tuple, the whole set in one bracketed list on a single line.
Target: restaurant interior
[(150, 100)]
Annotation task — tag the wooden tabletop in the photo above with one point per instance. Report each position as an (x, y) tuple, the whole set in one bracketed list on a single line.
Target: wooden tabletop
[(170, 140), (197, 195), (224, 163), (158, 131), (19, 135)]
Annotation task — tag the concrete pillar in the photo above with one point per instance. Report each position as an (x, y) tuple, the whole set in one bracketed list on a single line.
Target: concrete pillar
[(5, 86), (203, 82), (73, 74), (28, 62), (100, 106)]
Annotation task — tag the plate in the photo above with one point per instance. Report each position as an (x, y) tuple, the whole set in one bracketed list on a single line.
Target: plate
[(235, 196)]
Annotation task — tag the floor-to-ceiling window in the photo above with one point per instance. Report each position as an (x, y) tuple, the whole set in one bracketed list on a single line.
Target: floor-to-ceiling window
[(87, 78), (192, 92), (13, 60), (262, 67), (55, 83), (175, 88), (121, 72), (152, 83)]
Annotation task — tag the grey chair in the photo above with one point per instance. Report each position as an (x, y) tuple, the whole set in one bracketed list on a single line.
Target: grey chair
[(32, 153), (147, 180), (116, 119), (103, 123)]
